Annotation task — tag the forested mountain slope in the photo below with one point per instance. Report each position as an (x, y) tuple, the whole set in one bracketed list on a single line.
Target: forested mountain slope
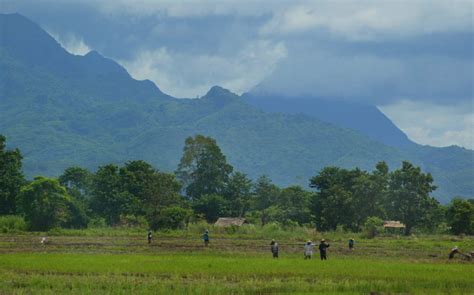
[(63, 110)]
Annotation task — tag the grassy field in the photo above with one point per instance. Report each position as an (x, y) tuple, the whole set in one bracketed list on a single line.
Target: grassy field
[(235, 263)]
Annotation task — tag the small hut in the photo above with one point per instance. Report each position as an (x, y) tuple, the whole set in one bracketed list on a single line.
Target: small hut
[(230, 221), (393, 226)]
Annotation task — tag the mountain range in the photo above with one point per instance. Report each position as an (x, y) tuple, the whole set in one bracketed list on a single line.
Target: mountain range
[(62, 110)]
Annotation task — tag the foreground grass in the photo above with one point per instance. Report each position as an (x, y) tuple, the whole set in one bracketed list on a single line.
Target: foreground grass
[(211, 272)]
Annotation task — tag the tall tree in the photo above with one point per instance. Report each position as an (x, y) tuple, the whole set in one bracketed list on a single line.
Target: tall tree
[(77, 181), (295, 203), (238, 193), (211, 206), (11, 177), (369, 194), (137, 179), (203, 168), (109, 200), (408, 197), (44, 204), (162, 193), (266, 194), (334, 203)]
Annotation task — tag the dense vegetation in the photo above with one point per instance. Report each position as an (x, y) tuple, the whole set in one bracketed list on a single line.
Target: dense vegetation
[(63, 110), (206, 187)]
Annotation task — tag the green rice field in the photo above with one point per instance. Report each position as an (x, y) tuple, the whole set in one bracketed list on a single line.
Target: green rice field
[(233, 264)]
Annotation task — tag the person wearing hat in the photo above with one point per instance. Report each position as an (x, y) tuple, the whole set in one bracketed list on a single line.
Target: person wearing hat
[(322, 249), (205, 237), (274, 248), (453, 251), (308, 250)]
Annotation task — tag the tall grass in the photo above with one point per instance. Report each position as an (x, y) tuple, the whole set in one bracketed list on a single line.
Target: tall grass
[(12, 224)]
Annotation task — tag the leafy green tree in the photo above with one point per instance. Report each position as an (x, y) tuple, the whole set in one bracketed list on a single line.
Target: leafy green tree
[(77, 181), (265, 194), (162, 193), (295, 204), (137, 179), (212, 206), (408, 196), (109, 200), (435, 215), (44, 204), (369, 194), (460, 215), (334, 204), (203, 168), (238, 192), (11, 177)]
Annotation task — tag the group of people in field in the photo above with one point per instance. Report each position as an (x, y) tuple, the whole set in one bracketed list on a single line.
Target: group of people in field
[(309, 248)]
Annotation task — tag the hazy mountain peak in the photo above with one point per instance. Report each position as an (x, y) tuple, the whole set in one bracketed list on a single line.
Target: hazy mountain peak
[(218, 91), (25, 40)]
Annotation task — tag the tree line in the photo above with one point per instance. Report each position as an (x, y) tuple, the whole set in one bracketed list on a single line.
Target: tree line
[(205, 186)]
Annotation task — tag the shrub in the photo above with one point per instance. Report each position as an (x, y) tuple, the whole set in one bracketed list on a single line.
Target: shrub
[(97, 222), (12, 224), (373, 227), (170, 218), (133, 221)]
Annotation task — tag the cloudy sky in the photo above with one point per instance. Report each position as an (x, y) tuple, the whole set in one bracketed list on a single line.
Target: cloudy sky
[(413, 59)]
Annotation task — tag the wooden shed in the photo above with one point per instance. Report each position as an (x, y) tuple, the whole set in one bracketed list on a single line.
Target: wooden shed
[(230, 221), (393, 224)]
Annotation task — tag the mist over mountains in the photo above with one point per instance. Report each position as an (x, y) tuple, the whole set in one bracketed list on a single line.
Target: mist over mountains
[(62, 110)]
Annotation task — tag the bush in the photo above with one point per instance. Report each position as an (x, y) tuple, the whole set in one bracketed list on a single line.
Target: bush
[(133, 221), (170, 218), (97, 222), (12, 224), (373, 226)]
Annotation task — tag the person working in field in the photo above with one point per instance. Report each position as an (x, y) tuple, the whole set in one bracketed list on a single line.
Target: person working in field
[(453, 251), (351, 244), (322, 249), (274, 248), (308, 250), (149, 237), (205, 238)]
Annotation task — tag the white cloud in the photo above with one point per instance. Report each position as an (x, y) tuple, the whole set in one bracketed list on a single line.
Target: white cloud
[(185, 75), (432, 124), (356, 20), (353, 20), (71, 43)]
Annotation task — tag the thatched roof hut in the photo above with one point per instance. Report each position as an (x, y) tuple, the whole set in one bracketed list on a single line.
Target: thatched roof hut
[(230, 221), (393, 224)]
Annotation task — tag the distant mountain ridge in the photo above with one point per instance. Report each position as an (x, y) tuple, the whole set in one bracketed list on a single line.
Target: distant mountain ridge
[(357, 116), (63, 110)]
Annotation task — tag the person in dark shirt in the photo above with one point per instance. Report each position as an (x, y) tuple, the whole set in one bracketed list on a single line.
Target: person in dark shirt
[(453, 251), (149, 237), (322, 249), (351, 244), (205, 238), (274, 248)]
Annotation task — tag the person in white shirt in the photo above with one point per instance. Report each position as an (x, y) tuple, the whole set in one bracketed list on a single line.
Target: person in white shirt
[(308, 250)]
